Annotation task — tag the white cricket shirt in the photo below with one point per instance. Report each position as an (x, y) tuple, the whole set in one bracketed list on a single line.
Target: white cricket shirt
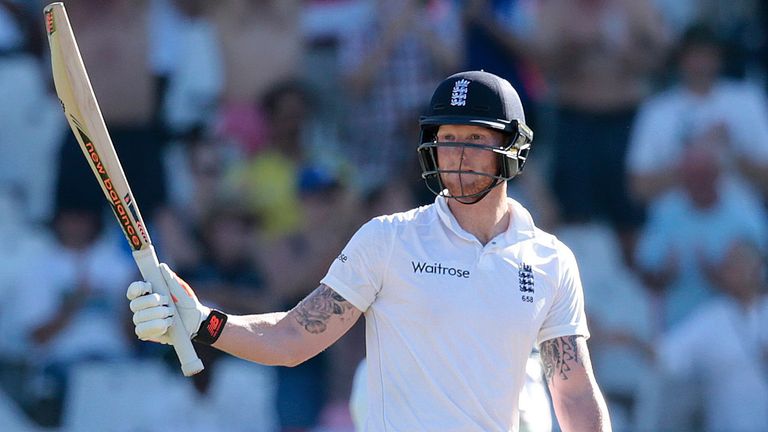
[(449, 322)]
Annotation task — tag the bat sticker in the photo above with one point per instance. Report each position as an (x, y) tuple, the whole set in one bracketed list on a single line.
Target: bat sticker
[(50, 24)]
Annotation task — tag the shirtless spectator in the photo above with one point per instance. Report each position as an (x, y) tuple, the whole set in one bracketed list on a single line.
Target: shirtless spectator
[(598, 56)]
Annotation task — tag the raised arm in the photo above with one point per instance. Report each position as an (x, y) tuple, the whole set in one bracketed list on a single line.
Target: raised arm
[(290, 338), (578, 403), (280, 338)]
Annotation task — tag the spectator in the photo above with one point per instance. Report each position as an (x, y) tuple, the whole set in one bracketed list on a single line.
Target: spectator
[(598, 56), (71, 311), (720, 350), (690, 228), (702, 110)]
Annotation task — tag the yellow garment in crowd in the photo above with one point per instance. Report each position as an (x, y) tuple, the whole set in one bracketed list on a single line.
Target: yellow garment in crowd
[(268, 182)]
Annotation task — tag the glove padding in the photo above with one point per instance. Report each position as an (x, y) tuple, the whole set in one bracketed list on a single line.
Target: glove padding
[(151, 315)]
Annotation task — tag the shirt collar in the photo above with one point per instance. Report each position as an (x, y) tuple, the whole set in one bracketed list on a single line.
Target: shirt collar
[(449, 220), (520, 227)]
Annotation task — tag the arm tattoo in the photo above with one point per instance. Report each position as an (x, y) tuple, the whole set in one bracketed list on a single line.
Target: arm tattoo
[(558, 355), (316, 309)]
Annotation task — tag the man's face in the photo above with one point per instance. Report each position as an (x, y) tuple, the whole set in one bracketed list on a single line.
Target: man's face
[(467, 159), (700, 65)]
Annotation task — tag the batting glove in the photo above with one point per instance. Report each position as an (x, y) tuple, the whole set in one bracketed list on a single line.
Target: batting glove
[(151, 314)]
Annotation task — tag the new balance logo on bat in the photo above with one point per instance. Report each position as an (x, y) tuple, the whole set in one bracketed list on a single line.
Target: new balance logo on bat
[(119, 206)]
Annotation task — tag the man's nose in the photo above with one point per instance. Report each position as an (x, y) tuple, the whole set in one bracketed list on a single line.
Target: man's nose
[(457, 151)]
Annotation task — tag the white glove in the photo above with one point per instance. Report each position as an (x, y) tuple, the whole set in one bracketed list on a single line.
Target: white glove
[(151, 314)]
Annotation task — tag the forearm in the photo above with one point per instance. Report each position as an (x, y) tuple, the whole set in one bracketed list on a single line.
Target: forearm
[(258, 338), (578, 403), (289, 338), (587, 413)]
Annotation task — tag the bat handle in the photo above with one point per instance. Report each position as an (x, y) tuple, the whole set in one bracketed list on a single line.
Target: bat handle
[(150, 270)]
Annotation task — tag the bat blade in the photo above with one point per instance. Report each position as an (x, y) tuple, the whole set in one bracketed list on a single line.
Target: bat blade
[(84, 117)]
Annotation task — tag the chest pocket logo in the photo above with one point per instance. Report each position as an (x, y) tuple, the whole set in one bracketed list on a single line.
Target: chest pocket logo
[(526, 282)]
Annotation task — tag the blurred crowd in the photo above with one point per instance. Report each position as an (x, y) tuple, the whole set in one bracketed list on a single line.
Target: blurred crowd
[(258, 135)]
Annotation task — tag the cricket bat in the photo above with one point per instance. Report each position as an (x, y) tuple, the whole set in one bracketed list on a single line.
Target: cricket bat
[(84, 117)]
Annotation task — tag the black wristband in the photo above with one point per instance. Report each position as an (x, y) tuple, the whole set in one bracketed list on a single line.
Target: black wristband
[(211, 328)]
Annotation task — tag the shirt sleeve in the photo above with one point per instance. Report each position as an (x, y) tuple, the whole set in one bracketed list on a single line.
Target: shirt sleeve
[(357, 273), (566, 316)]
